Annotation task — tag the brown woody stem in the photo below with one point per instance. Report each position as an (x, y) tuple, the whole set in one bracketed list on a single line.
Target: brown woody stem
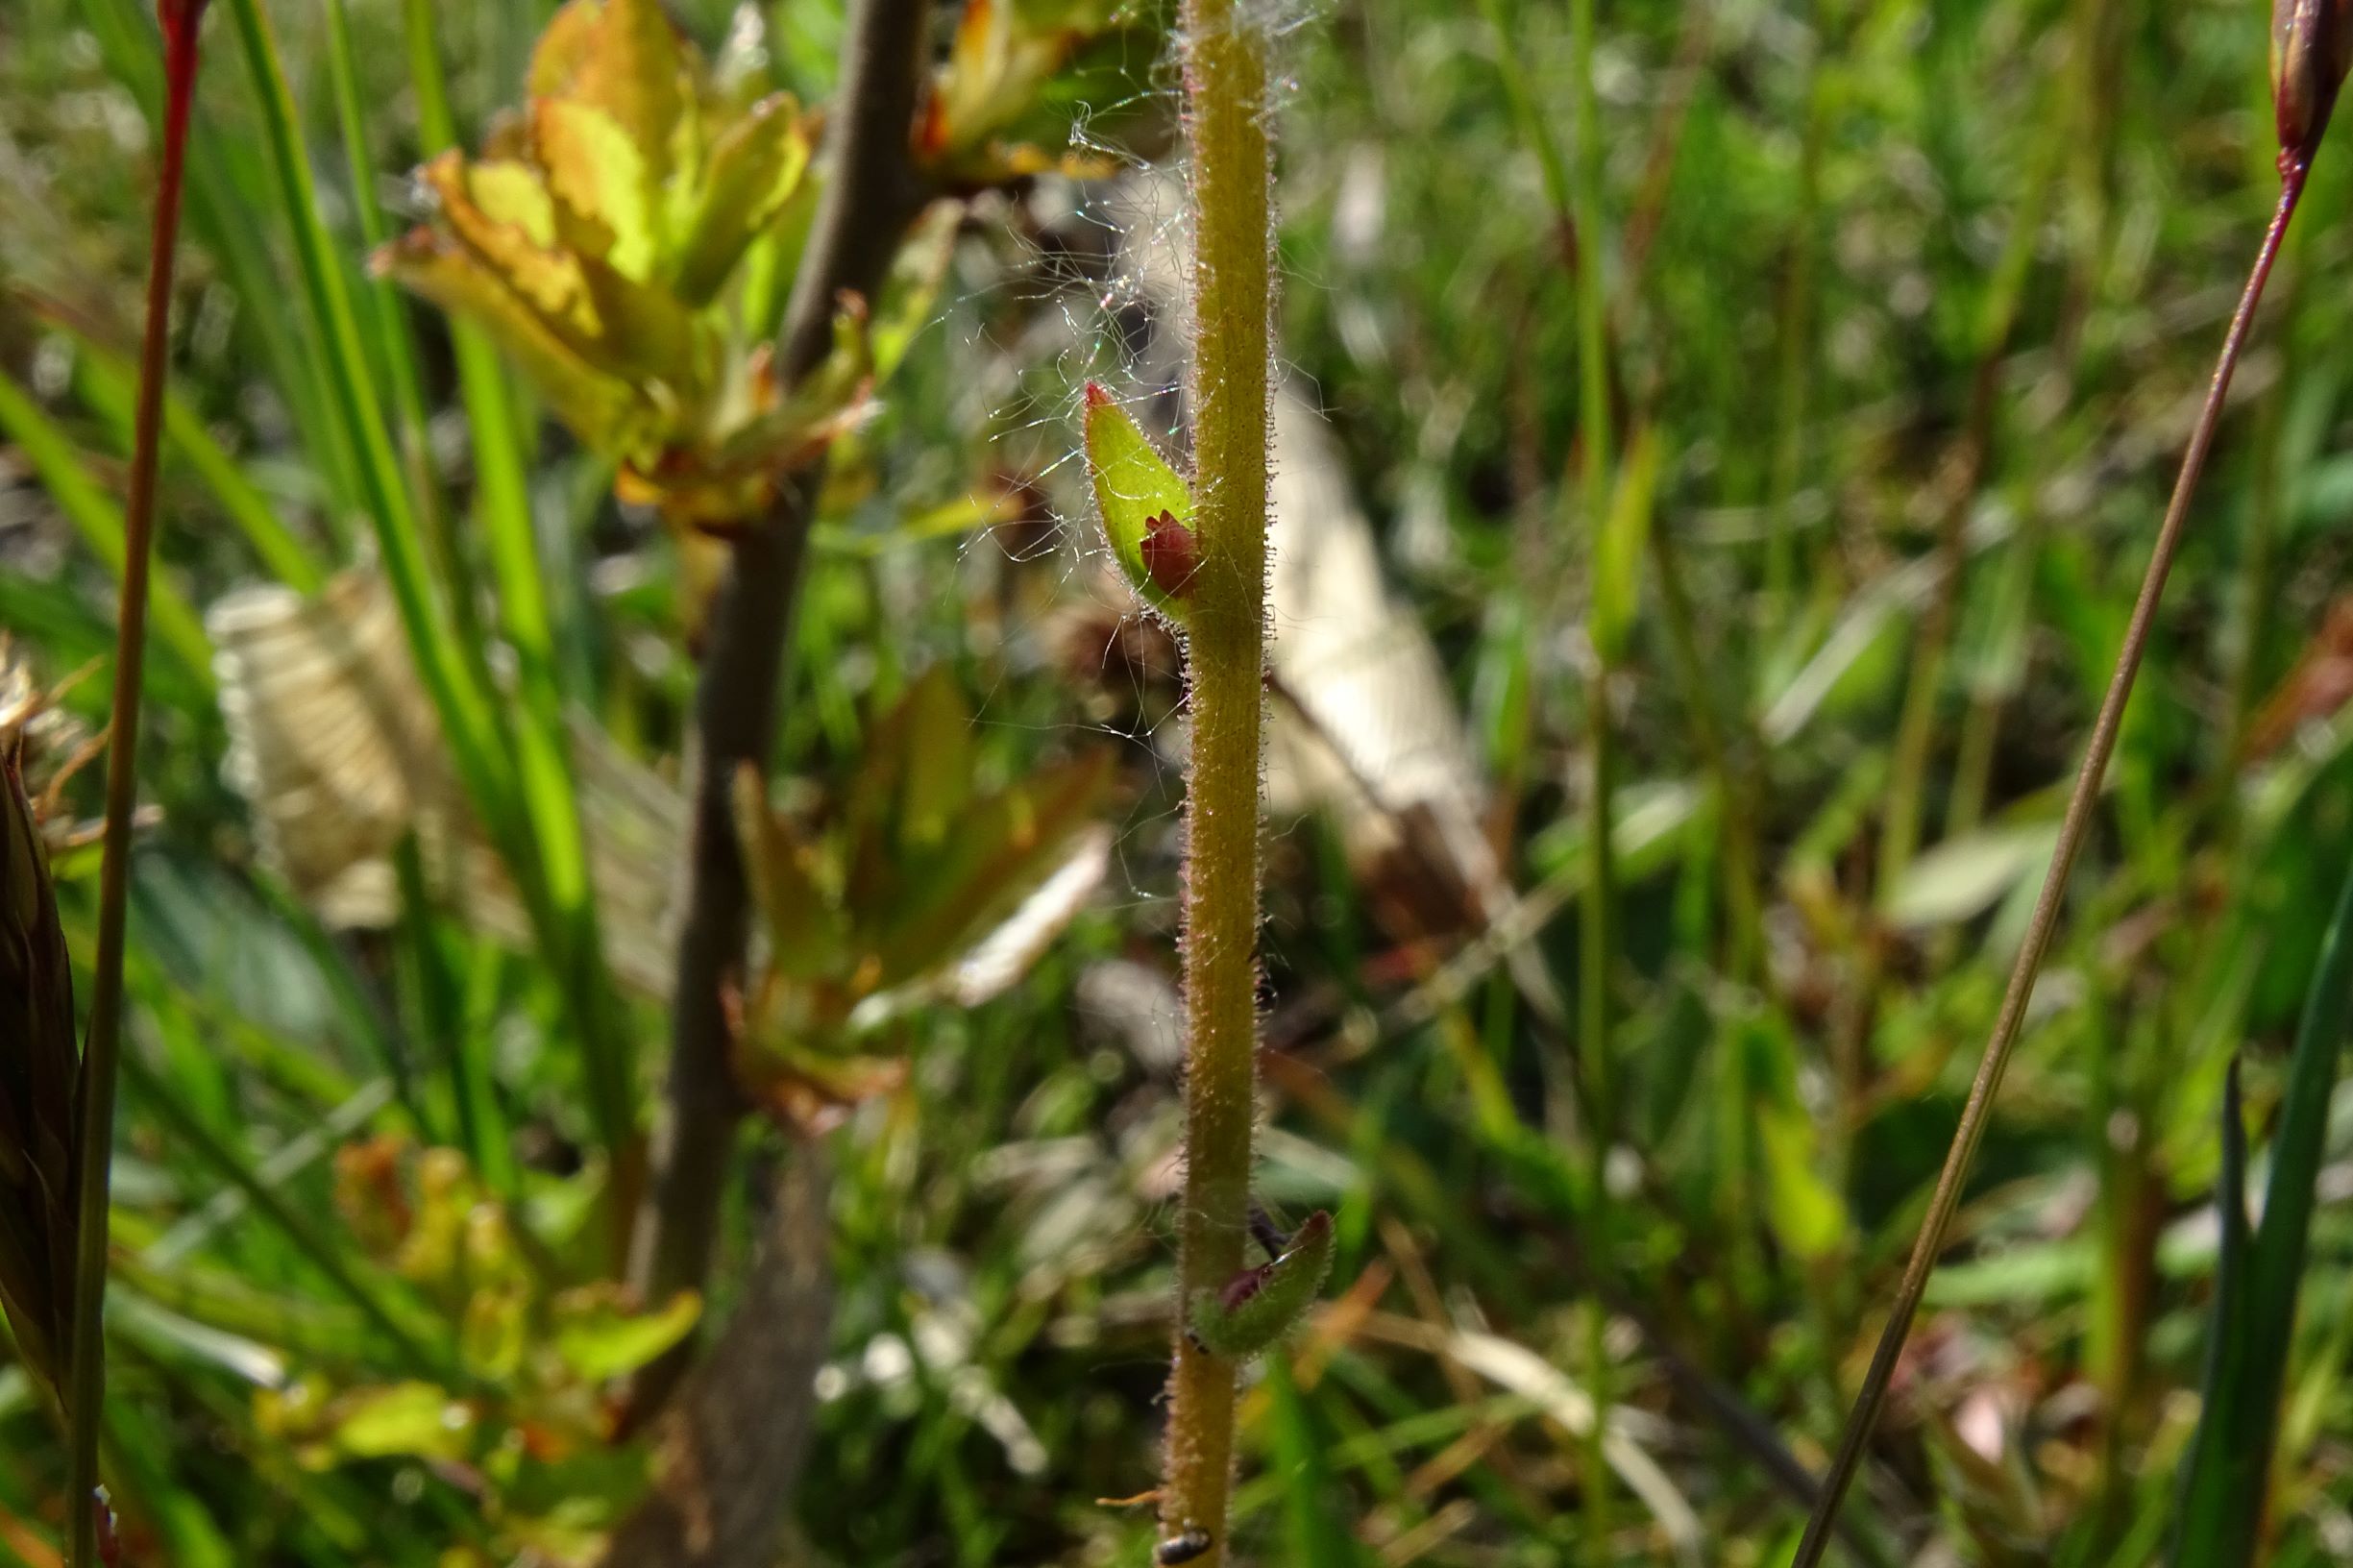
[(871, 194)]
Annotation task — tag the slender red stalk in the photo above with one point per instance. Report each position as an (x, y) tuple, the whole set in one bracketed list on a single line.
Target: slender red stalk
[(94, 1139), (2081, 806)]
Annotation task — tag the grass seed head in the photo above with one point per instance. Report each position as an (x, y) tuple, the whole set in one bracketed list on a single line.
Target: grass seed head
[(2312, 45), (38, 1065)]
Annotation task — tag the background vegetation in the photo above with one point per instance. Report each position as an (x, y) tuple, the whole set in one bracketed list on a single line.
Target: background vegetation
[(1909, 306)]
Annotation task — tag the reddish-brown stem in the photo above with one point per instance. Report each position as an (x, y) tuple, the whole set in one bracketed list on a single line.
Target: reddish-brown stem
[(94, 1134), (2082, 805)]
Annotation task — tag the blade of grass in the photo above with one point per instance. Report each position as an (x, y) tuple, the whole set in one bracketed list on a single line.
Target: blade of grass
[(106, 385), (101, 1055), (503, 513), (2226, 1479), (100, 523), (453, 669), (1598, 922), (2082, 805), (387, 325)]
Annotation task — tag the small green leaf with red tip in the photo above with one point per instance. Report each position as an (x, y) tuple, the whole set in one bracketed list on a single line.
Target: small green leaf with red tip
[(1259, 1305), (1147, 508)]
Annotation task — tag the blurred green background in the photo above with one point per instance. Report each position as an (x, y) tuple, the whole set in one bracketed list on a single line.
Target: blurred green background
[(1913, 302)]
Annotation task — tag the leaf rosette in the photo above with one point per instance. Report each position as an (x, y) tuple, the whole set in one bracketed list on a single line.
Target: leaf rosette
[(595, 238)]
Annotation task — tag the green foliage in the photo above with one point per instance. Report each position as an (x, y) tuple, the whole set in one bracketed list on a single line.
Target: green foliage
[(2260, 1275), (913, 886), (593, 241), (1003, 1173)]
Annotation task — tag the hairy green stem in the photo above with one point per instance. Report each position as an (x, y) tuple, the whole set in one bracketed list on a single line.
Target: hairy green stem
[(1226, 106), (2081, 807), (101, 1055)]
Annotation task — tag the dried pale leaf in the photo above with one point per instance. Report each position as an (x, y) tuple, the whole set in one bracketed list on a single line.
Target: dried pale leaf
[(330, 736), (1962, 878), (1004, 848), (991, 966), (335, 746)]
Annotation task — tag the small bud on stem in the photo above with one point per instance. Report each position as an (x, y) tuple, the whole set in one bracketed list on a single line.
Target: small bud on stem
[(2312, 45)]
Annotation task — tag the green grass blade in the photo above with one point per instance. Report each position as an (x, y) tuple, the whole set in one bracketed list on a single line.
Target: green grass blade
[(502, 512), (99, 520), (105, 384), (1313, 1513), (394, 345), (451, 664), (2227, 1480)]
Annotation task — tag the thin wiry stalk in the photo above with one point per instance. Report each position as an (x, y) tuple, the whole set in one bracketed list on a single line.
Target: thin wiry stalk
[(1793, 374), (1226, 110), (2082, 803), (1598, 934), (101, 1053)]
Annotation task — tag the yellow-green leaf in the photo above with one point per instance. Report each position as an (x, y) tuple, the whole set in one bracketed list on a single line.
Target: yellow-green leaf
[(601, 410), (1617, 556), (625, 58), (502, 213), (603, 185), (804, 928), (403, 1420), (596, 1340), (754, 170)]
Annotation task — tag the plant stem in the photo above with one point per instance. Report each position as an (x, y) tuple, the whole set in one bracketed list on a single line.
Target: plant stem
[(1597, 929), (101, 1056), (1226, 108), (2082, 805), (871, 194), (1793, 374)]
